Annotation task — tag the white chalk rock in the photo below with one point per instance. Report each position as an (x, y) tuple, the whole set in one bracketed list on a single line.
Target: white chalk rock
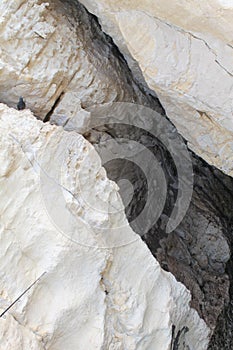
[(49, 51), (184, 51), (61, 215)]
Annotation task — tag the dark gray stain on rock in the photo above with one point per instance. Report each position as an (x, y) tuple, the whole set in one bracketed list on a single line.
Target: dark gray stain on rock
[(199, 251), (178, 341)]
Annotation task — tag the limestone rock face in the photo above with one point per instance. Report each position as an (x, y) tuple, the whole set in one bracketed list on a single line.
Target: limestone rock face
[(60, 215), (52, 51), (184, 51), (104, 291)]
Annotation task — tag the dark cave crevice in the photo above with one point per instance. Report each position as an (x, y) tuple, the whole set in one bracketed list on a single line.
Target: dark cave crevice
[(197, 251), (208, 219)]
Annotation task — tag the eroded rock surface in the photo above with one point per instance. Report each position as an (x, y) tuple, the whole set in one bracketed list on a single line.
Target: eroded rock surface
[(53, 49), (198, 251), (186, 57), (55, 55), (90, 297)]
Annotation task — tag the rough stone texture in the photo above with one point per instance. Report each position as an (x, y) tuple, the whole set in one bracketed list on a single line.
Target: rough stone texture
[(186, 57), (53, 49), (59, 78), (90, 297), (198, 251)]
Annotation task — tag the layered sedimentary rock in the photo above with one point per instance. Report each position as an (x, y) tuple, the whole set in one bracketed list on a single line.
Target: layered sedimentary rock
[(101, 290), (184, 51)]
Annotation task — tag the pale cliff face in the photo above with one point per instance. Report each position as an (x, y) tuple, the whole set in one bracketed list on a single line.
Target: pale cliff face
[(50, 51), (184, 50), (103, 288), (90, 297), (185, 56)]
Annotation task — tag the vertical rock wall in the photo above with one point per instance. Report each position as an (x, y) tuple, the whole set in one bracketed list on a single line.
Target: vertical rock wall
[(55, 55), (184, 51)]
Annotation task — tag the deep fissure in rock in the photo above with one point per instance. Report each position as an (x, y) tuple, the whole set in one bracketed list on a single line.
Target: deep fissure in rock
[(197, 252)]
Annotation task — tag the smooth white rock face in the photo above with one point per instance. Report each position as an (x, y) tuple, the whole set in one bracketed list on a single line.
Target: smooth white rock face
[(184, 50), (102, 288)]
